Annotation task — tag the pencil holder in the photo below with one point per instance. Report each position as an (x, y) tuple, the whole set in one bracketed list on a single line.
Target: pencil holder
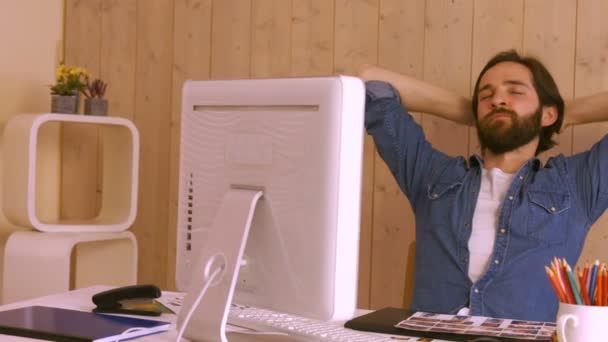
[(581, 323)]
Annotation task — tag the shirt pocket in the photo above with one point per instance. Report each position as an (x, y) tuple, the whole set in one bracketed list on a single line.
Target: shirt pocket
[(547, 216), (441, 198)]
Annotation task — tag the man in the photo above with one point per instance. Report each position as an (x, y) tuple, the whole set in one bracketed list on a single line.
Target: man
[(486, 227)]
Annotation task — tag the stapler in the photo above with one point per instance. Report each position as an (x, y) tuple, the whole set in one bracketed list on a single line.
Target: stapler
[(131, 300)]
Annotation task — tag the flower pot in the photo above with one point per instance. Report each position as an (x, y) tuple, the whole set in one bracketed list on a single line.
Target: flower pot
[(94, 106), (66, 104)]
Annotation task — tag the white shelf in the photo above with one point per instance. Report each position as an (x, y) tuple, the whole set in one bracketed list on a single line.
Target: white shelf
[(32, 172), (38, 264)]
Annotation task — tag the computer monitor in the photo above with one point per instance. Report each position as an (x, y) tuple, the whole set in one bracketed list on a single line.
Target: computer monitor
[(298, 143)]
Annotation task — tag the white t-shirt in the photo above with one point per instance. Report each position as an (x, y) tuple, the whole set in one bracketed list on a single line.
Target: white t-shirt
[(494, 186)]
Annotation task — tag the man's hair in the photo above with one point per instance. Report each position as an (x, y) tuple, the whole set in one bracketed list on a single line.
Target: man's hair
[(546, 89)]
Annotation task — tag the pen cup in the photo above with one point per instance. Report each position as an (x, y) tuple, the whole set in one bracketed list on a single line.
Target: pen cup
[(581, 323)]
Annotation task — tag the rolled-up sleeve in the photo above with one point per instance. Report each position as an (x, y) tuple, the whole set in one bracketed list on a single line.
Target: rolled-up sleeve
[(400, 141)]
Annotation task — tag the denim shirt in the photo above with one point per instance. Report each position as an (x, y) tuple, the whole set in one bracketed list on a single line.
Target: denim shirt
[(547, 212)]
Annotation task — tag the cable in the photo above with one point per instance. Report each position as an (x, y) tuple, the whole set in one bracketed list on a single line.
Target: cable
[(208, 283), (130, 330)]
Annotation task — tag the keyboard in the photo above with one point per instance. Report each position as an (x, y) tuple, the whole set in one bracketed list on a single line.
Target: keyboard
[(297, 327)]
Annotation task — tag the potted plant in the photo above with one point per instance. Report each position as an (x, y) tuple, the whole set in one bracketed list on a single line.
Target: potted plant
[(69, 82), (94, 102)]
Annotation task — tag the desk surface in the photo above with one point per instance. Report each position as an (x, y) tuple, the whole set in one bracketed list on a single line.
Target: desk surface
[(81, 300)]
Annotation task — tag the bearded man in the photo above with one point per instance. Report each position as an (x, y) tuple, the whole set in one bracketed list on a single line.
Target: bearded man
[(486, 226)]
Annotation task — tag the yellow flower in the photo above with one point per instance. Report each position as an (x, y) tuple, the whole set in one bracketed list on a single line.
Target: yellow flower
[(61, 72), (69, 80)]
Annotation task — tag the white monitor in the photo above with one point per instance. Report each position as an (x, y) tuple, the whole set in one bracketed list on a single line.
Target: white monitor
[(298, 142)]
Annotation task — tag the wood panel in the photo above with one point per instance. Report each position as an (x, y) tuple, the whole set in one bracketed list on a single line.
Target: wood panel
[(231, 39), (401, 36), (400, 48), (271, 38), (191, 60), (355, 34), (497, 26), (117, 66), (83, 34), (118, 55), (549, 34), (79, 158), (356, 31), (448, 28), (152, 118), (591, 76), (312, 37)]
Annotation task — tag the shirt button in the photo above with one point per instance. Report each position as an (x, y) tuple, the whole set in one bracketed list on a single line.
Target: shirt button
[(434, 195), (476, 291), (496, 261), (553, 209), (521, 177), (510, 198), (502, 230)]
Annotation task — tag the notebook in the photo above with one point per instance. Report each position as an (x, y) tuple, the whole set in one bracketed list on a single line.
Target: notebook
[(63, 325)]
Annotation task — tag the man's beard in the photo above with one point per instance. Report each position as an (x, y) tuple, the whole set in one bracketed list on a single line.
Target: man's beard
[(500, 135)]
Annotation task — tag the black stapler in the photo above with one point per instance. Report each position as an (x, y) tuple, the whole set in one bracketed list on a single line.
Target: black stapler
[(131, 300)]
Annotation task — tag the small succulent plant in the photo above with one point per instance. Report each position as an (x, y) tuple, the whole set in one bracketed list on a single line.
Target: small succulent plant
[(95, 88)]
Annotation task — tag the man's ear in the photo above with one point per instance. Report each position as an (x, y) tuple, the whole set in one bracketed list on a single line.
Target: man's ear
[(549, 116)]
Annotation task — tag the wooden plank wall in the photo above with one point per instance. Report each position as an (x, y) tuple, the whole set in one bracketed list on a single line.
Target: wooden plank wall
[(147, 48)]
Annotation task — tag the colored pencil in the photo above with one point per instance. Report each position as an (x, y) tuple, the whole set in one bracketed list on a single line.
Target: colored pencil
[(592, 292), (583, 288), (556, 287), (602, 280), (586, 274), (605, 291), (564, 276), (599, 285), (586, 278), (586, 285), (555, 267), (575, 292)]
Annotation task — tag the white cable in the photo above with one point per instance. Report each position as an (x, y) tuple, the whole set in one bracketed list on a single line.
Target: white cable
[(208, 283), (130, 330)]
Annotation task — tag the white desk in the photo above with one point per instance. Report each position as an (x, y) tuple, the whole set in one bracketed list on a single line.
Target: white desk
[(81, 300)]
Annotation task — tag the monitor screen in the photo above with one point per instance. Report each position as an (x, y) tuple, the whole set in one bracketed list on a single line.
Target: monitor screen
[(299, 141)]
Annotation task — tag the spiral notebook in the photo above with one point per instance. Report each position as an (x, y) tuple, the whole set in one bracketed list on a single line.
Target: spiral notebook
[(63, 325)]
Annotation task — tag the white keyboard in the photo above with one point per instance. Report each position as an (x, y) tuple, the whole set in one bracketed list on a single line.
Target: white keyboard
[(301, 328)]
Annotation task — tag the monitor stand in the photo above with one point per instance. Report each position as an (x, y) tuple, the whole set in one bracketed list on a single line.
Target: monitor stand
[(223, 249)]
